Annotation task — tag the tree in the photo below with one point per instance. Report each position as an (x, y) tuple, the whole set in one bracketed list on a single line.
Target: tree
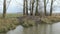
[(4, 9), (51, 7), (45, 7), (24, 7), (36, 12), (31, 6)]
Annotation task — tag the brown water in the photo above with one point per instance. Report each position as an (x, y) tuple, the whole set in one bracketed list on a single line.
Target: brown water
[(39, 29)]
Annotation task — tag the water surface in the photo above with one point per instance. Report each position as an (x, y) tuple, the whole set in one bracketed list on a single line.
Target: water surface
[(38, 29)]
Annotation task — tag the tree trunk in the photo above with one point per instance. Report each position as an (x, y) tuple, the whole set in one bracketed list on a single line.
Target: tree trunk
[(32, 8), (24, 7), (45, 7), (51, 7), (4, 9), (36, 12)]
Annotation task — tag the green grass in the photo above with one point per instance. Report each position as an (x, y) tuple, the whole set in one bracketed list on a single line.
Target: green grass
[(11, 15)]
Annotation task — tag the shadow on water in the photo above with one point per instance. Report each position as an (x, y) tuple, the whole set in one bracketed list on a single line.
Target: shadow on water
[(38, 29)]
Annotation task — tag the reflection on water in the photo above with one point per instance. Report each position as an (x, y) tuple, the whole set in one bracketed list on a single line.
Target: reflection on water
[(38, 29), (18, 30)]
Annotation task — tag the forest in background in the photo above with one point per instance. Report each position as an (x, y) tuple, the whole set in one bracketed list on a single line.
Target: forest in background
[(34, 7)]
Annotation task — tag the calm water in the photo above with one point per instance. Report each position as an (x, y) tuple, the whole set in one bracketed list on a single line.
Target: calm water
[(39, 29)]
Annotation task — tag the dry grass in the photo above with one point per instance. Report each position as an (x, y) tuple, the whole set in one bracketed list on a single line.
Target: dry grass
[(8, 24), (51, 19)]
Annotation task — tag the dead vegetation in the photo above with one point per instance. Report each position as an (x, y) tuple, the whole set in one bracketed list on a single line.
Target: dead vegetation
[(26, 21)]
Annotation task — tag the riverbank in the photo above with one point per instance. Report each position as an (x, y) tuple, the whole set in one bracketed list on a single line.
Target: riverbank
[(8, 24), (26, 21), (51, 19)]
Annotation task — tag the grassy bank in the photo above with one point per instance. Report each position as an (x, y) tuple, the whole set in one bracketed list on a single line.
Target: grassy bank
[(10, 22), (34, 20), (51, 19)]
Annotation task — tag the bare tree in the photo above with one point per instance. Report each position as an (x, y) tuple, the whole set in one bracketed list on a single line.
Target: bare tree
[(51, 7), (31, 6), (24, 7), (45, 7), (4, 9), (36, 12)]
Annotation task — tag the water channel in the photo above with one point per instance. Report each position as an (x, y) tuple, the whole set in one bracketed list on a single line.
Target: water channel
[(38, 29)]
